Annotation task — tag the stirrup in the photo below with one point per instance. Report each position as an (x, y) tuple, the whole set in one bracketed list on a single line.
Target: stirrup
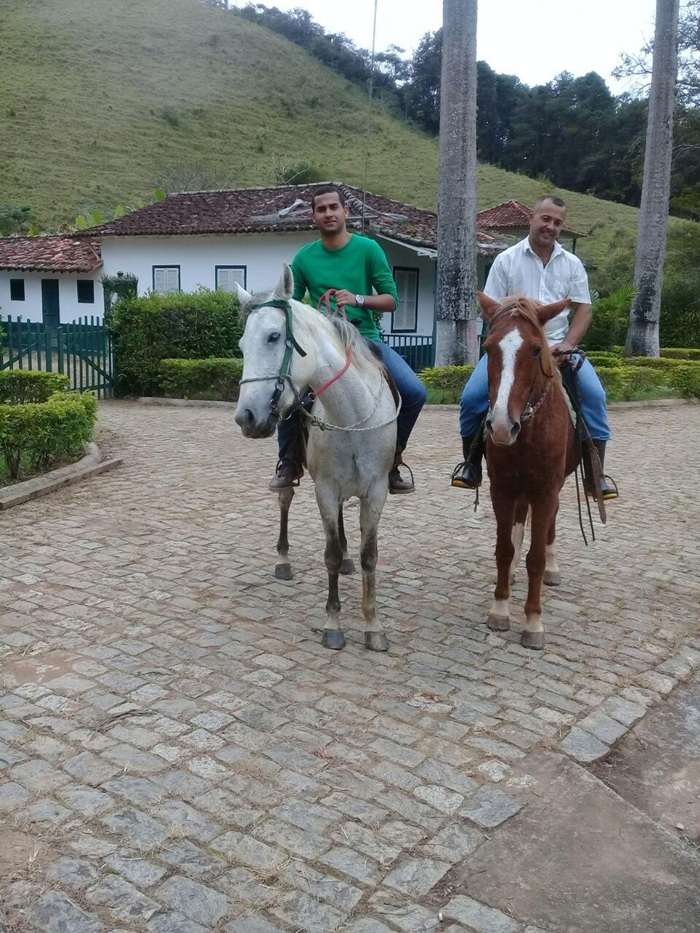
[(455, 473), (615, 493), (411, 488)]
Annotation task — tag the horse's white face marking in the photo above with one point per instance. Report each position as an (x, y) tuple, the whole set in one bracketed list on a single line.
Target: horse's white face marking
[(509, 346)]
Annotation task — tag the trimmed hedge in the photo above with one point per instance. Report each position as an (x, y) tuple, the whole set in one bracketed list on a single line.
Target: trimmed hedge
[(158, 327), (681, 353), (623, 379), (644, 375), (449, 380), (204, 379), (21, 386), (36, 435)]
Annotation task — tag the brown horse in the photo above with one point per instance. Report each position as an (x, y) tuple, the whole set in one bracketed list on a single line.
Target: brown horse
[(531, 448)]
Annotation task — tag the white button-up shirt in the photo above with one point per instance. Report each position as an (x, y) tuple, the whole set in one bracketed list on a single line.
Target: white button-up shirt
[(520, 271)]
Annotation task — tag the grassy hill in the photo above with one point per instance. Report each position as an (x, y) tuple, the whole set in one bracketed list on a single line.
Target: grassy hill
[(100, 99)]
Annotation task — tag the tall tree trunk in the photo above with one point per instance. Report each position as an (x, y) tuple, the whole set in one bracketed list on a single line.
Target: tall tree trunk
[(643, 333), (456, 336)]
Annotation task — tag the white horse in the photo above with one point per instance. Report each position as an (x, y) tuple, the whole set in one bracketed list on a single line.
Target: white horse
[(288, 346)]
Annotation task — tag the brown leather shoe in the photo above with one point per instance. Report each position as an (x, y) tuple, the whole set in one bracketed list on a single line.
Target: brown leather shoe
[(398, 485), (288, 473)]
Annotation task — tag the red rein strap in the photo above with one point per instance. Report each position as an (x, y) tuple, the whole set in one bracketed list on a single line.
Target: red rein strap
[(324, 304)]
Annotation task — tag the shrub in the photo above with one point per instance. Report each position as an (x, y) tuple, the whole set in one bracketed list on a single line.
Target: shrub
[(610, 319), (184, 326), (650, 362), (21, 386), (39, 434), (206, 379), (685, 379), (603, 358), (445, 383), (680, 353), (612, 379)]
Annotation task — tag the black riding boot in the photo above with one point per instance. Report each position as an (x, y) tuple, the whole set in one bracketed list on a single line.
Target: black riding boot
[(608, 486), (468, 474)]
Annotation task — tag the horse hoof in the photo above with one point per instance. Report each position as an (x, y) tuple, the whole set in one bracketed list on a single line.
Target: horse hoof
[(534, 640), (498, 623), (333, 639), (551, 578), (283, 572), (347, 567), (376, 641)]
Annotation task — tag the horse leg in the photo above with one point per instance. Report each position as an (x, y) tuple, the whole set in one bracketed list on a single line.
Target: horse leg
[(370, 513), (347, 567), (518, 535), (543, 518), (333, 636), (283, 568), (552, 576), (499, 616)]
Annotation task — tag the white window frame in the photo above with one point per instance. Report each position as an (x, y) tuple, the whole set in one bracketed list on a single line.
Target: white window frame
[(225, 276), (404, 320), (166, 280)]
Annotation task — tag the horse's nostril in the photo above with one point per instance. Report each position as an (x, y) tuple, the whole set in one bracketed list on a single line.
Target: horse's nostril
[(515, 430), (489, 426)]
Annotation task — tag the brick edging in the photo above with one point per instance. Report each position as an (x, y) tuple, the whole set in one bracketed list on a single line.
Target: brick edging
[(89, 464)]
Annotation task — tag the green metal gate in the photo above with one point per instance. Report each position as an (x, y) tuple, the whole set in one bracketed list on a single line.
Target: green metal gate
[(81, 350)]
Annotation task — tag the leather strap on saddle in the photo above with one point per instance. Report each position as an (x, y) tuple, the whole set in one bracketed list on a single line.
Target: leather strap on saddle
[(593, 468)]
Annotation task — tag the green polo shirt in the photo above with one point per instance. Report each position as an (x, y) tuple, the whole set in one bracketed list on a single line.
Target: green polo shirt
[(360, 267)]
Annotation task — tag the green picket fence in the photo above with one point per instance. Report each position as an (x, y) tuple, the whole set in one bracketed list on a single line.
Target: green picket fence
[(81, 350)]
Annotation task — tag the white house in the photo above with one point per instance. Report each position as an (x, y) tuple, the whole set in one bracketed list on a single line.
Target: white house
[(50, 279), (211, 239)]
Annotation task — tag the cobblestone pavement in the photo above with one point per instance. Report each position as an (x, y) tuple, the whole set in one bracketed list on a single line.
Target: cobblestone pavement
[(179, 754)]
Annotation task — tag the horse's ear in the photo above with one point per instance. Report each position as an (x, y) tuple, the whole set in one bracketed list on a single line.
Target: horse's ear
[(285, 287), (547, 312), (487, 305), (243, 296), (244, 299)]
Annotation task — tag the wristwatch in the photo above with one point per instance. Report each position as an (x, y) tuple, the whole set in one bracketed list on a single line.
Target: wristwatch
[(360, 300)]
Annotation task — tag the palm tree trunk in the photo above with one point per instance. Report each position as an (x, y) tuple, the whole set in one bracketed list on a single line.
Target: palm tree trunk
[(456, 336), (643, 333)]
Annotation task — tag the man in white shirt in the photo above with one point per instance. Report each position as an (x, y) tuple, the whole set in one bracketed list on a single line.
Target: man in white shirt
[(538, 267)]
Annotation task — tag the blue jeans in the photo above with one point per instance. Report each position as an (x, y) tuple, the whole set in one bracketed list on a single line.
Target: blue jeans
[(412, 391), (475, 401)]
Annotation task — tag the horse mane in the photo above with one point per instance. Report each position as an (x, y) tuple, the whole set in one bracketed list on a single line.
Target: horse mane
[(526, 308), (346, 334)]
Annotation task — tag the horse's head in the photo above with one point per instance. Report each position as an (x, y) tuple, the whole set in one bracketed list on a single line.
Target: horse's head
[(520, 362), (273, 362)]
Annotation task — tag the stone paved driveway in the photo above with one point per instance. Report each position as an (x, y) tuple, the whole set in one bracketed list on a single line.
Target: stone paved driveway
[(180, 755)]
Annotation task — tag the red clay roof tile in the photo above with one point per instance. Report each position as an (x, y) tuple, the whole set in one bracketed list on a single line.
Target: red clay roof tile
[(50, 254)]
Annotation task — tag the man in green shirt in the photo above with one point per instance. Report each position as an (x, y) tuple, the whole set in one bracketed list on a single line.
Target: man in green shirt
[(357, 268)]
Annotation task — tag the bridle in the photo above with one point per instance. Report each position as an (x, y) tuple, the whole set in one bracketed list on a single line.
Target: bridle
[(283, 377), (530, 409)]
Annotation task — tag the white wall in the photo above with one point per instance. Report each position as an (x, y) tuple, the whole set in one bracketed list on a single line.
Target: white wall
[(30, 308), (261, 254), (198, 256)]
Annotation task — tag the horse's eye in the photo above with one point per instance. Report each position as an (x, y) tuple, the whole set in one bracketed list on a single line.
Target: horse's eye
[(274, 337), (536, 351)]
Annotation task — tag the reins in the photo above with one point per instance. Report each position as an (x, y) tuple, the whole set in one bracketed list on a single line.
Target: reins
[(283, 376)]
